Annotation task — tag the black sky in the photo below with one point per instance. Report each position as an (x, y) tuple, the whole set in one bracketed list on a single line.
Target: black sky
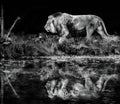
[(34, 13)]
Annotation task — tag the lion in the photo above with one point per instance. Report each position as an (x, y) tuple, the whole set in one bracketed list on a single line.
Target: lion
[(57, 23)]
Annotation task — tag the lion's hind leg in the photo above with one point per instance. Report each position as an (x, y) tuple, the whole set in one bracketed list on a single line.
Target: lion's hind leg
[(89, 32), (101, 31)]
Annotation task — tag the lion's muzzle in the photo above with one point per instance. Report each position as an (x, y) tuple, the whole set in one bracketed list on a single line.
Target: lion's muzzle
[(49, 27)]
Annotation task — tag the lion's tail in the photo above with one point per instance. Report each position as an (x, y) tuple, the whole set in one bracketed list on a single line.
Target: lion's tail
[(104, 28)]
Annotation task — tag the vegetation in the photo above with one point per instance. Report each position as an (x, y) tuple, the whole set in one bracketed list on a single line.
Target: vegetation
[(43, 44)]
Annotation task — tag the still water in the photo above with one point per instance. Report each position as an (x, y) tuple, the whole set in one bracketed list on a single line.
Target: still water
[(63, 80)]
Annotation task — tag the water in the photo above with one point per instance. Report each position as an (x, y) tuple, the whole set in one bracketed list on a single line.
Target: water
[(31, 80)]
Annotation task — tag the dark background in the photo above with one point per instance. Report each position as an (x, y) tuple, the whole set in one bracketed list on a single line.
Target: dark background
[(34, 13)]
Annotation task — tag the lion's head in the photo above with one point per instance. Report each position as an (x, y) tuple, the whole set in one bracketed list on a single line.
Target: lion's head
[(50, 26)]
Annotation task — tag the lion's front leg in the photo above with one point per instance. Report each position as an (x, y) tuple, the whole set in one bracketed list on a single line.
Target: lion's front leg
[(62, 39), (63, 34), (89, 32)]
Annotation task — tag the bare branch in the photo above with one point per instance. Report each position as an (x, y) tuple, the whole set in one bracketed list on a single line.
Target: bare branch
[(18, 18)]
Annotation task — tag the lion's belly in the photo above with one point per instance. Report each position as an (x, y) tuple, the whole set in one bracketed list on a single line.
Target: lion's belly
[(80, 25)]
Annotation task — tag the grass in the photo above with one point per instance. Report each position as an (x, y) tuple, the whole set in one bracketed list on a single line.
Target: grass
[(47, 45)]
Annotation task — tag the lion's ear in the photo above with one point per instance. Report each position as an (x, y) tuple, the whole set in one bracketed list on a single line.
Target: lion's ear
[(57, 14), (50, 17)]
